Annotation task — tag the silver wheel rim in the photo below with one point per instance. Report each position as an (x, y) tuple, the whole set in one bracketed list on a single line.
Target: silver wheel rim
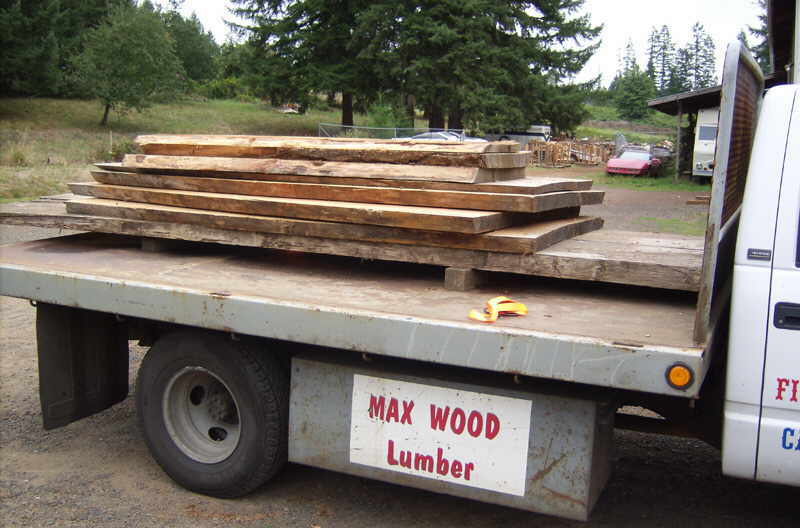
[(201, 415)]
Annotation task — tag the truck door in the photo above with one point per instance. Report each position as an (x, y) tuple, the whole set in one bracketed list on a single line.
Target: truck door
[(778, 456)]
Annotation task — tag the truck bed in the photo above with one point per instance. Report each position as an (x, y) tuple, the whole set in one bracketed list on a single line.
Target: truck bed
[(597, 334)]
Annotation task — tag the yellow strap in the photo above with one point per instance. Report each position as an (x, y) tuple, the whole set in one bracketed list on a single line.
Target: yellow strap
[(496, 307)]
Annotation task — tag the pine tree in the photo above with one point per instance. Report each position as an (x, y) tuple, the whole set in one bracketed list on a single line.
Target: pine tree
[(680, 74), (629, 58), (701, 54), (653, 48), (666, 61), (633, 89), (760, 49)]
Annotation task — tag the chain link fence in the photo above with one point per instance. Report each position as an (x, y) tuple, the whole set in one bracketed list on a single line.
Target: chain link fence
[(333, 130)]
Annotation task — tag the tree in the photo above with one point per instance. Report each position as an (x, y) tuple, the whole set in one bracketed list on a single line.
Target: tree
[(634, 88), (703, 62), (760, 49), (195, 47), (38, 38), (129, 61), (314, 38), (680, 74), (484, 64)]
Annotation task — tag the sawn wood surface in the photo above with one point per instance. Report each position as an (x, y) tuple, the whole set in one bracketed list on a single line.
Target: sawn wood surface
[(417, 197), (428, 218)]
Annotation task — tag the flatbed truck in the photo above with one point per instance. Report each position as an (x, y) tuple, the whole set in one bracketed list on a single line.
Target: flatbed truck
[(258, 356)]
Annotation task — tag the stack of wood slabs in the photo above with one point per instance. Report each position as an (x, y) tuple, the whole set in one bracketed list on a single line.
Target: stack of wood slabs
[(417, 193)]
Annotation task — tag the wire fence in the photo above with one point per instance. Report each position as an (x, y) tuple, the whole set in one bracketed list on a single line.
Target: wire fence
[(334, 130)]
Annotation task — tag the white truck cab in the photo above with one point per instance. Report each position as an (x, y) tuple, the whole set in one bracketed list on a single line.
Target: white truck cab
[(761, 438)]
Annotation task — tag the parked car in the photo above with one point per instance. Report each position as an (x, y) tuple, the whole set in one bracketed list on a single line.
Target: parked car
[(634, 162), (445, 135)]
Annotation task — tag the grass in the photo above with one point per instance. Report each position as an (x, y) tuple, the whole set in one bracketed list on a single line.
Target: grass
[(608, 134), (637, 183), (45, 143), (694, 227)]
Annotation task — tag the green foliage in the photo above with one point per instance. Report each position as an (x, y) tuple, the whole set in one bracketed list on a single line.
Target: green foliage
[(196, 48), (129, 62), (760, 49), (660, 58), (486, 64), (633, 90), (227, 88)]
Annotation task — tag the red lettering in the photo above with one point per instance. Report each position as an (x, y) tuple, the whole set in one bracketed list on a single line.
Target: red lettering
[(475, 424), (423, 462), (455, 469), (468, 469), (392, 411), (376, 406), (783, 383), (795, 383), (442, 465), (439, 417), (405, 459), (492, 429), (390, 454), (407, 408), (458, 420)]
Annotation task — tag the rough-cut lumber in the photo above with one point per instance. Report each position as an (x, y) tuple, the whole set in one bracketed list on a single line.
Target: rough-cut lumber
[(544, 230), (418, 197), (630, 258), (467, 154), (409, 177), (331, 169), (429, 218)]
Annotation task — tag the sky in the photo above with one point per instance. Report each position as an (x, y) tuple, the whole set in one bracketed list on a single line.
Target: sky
[(621, 19)]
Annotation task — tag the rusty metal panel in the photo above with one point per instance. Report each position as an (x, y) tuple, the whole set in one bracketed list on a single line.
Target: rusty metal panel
[(561, 453), (742, 87)]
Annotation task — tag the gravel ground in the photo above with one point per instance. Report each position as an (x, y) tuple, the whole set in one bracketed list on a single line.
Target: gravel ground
[(97, 472)]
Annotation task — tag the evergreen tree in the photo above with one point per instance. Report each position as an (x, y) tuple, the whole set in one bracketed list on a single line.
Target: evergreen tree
[(703, 62), (760, 49), (129, 61), (629, 58), (666, 61), (633, 89), (480, 62), (195, 47), (653, 49), (680, 74)]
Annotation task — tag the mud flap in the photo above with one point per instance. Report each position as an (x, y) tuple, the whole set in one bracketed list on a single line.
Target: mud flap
[(83, 363)]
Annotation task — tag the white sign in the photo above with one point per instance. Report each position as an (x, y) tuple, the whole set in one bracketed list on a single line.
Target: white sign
[(458, 436)]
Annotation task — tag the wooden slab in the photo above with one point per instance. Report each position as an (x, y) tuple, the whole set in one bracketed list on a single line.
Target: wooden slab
[(452, 154), (522, 239), (632, 258), (368, 174), (332, 169), (429, 218), (349, 193)]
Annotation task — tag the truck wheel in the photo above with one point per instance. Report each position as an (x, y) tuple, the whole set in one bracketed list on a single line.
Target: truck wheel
[(214, 412)]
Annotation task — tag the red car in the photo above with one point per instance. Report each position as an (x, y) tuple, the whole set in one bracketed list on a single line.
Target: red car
[(635, 162)]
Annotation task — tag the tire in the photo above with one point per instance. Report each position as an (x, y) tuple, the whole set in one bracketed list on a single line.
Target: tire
[(213, 412)]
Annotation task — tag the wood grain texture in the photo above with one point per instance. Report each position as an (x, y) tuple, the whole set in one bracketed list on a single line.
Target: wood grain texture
[(417, 197), (428, 218), (330, 169), (452, 154), (619, 257), (348, 174), (542, 232)]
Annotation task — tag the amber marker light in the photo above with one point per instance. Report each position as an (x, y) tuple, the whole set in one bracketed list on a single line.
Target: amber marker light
[(680, 376)]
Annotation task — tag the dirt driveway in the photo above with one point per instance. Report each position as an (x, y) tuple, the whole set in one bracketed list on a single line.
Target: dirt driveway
[(97, 472)]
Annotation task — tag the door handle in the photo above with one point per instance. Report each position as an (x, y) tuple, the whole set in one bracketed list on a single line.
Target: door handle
[(787, 316)]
